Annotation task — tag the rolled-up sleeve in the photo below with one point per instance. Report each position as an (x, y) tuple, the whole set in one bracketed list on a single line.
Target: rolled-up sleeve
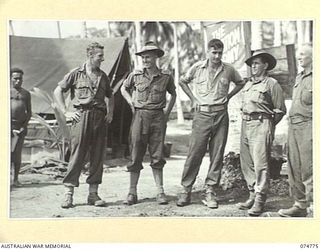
[(189, 76), (128, 83), (236, 78), (278, 99), (171, 88), (67, 81)]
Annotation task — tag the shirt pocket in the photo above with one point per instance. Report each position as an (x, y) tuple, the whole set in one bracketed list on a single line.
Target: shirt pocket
[(142, 92), (83, 92), (158, 93), (223, 87), (306, 96), (258, 95), (202, 86)]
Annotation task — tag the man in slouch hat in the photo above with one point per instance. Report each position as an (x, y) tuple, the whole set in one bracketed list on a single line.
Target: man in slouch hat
[(262, 108), (145, 91)]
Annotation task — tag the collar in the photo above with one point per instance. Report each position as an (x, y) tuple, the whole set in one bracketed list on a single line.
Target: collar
[(159, 72), (205, 64), (303, 73), (83, 68), (258, 81)]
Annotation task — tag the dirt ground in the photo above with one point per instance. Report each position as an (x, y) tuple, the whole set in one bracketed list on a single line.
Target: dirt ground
[(41, 194)]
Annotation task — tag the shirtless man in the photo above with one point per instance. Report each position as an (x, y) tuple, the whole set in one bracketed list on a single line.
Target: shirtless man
[(20, 104)]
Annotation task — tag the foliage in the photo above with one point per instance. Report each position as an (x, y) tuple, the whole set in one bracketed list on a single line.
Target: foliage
[(190, 41), (62, 136)]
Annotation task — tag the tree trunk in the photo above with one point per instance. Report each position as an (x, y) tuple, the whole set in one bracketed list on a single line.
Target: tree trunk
[(277, 33), (180, 118), (307, 36), (256, 36), (59, 29), (204, 37), (84, 30), (137, 61), (300, 32), (108, 29)]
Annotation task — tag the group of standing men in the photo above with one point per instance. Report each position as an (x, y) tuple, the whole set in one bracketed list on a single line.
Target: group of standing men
[(145, 91)]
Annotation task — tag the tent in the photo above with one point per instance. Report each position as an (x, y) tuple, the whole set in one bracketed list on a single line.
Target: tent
[(46, 60)]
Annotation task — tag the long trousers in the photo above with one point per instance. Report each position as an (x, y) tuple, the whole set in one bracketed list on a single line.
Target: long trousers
[(300, 162), (255, 148), (148, 129), (207, 128), (87, 137)]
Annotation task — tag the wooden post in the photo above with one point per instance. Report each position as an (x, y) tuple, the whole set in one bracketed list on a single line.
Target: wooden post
[(247, 42), (180, 118), (292, 64)]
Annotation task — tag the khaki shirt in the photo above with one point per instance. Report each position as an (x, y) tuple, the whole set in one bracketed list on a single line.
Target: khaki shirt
[(150, 92), (302, 97), (83, 90), (211, 89), (265, 96)]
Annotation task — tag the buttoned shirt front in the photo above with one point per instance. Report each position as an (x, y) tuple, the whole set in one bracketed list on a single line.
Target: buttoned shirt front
[(302, 97), (264, 96), (211, 89), (84, 91), (149, 92)]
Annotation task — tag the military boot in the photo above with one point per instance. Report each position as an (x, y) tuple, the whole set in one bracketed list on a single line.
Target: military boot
[(210, 200), (210, 197), (248, 203), (184, 199), (162, 199), (258, 205), (68, 197), (293, 211), (131, 199), (93, 197)]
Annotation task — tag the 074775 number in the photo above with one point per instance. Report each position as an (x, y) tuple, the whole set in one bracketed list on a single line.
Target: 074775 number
[(309, 246)]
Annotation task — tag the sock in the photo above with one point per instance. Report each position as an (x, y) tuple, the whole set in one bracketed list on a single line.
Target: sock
[(68, 190), (93, 188), (158, 178), (134, 178)]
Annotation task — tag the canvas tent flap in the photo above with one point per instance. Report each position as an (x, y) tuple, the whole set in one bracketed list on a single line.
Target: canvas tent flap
[(46, 60)]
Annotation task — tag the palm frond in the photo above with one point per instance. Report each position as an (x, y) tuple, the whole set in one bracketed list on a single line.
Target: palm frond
[(44, 123), (42, 95), (62, 122)]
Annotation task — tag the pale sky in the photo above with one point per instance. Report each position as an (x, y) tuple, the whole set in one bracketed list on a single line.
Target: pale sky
[(49, 29)]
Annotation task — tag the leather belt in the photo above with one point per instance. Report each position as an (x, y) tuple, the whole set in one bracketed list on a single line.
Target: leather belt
[(84, 107), (299, 119), (159, 109), (256, 116), (210, 108)]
